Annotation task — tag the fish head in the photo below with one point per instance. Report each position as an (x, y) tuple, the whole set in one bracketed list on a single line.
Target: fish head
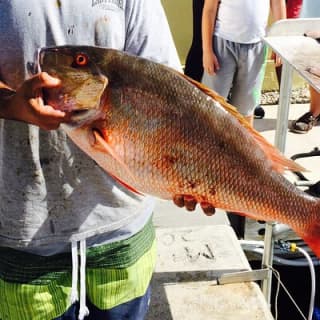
[(83, 85)]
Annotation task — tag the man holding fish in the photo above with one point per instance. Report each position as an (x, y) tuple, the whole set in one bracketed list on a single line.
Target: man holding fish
[(60, 214), (154, 130)]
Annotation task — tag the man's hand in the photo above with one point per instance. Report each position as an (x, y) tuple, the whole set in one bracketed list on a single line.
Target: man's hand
[(189, 202), (27, 104)]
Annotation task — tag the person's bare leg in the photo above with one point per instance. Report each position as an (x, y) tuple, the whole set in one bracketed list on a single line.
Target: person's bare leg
[(314, 102), (311, 118)]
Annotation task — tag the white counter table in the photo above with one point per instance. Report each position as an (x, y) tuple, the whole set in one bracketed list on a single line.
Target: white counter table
[(298, 53)]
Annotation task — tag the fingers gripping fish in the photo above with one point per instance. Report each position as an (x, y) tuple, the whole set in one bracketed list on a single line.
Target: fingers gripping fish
[(161, 133)]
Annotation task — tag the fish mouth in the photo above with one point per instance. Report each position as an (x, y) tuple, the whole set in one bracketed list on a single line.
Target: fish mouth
[(80, 114), (81, 117)]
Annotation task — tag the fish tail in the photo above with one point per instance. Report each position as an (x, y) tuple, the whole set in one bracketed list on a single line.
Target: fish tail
[(311, 236)]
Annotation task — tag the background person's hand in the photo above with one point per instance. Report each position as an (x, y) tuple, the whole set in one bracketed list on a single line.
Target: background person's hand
[(276, 59), (210, 63), (27, 104)]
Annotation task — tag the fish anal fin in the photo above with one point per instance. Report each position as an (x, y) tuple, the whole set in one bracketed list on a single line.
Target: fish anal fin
[(243, 214), (279, 161)]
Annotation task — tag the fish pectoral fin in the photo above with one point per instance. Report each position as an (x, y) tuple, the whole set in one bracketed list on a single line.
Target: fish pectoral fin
[(102, 145), (278, 160)]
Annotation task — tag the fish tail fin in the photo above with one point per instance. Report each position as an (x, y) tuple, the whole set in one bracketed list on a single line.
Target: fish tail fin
[(311, 236)]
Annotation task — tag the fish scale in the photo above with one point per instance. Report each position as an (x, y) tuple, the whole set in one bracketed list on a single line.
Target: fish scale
[(160, 133)]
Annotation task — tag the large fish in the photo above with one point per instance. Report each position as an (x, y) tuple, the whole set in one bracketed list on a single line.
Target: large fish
[(162, 134)]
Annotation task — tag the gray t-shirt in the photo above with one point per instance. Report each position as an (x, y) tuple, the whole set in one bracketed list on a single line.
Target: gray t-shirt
[(50, 191)]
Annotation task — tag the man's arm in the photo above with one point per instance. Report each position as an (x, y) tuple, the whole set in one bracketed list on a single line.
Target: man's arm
[(209, 15), (148, 33), (26, 104)]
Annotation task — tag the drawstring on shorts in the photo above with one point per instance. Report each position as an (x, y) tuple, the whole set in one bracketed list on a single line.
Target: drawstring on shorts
[(83, 311), (74, 289)]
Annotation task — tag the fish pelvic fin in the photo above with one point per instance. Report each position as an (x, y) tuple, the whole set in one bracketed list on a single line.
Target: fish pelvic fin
[(280, 163), (312, 234)]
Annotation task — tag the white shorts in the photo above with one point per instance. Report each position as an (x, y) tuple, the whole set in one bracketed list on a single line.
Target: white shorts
[(241, 73)]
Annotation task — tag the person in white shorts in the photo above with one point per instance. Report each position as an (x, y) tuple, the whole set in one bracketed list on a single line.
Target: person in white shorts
[(233, 50), (234, 55)]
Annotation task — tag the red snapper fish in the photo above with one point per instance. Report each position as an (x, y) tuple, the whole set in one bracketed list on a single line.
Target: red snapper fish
[(160, 133)]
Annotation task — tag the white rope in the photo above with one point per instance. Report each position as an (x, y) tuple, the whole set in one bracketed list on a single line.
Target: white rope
[(83, 311), (313, 281), (74, 289), (277, 275)]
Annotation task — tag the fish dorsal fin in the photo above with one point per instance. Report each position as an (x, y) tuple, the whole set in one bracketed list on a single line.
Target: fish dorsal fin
[(279, 161), (103, 145)]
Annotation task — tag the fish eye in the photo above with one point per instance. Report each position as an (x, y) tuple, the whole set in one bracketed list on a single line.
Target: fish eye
[(81, 59)]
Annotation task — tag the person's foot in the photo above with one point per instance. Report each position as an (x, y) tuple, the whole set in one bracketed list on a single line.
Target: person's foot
[(259, 112), (314, 190), (305, 123)]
